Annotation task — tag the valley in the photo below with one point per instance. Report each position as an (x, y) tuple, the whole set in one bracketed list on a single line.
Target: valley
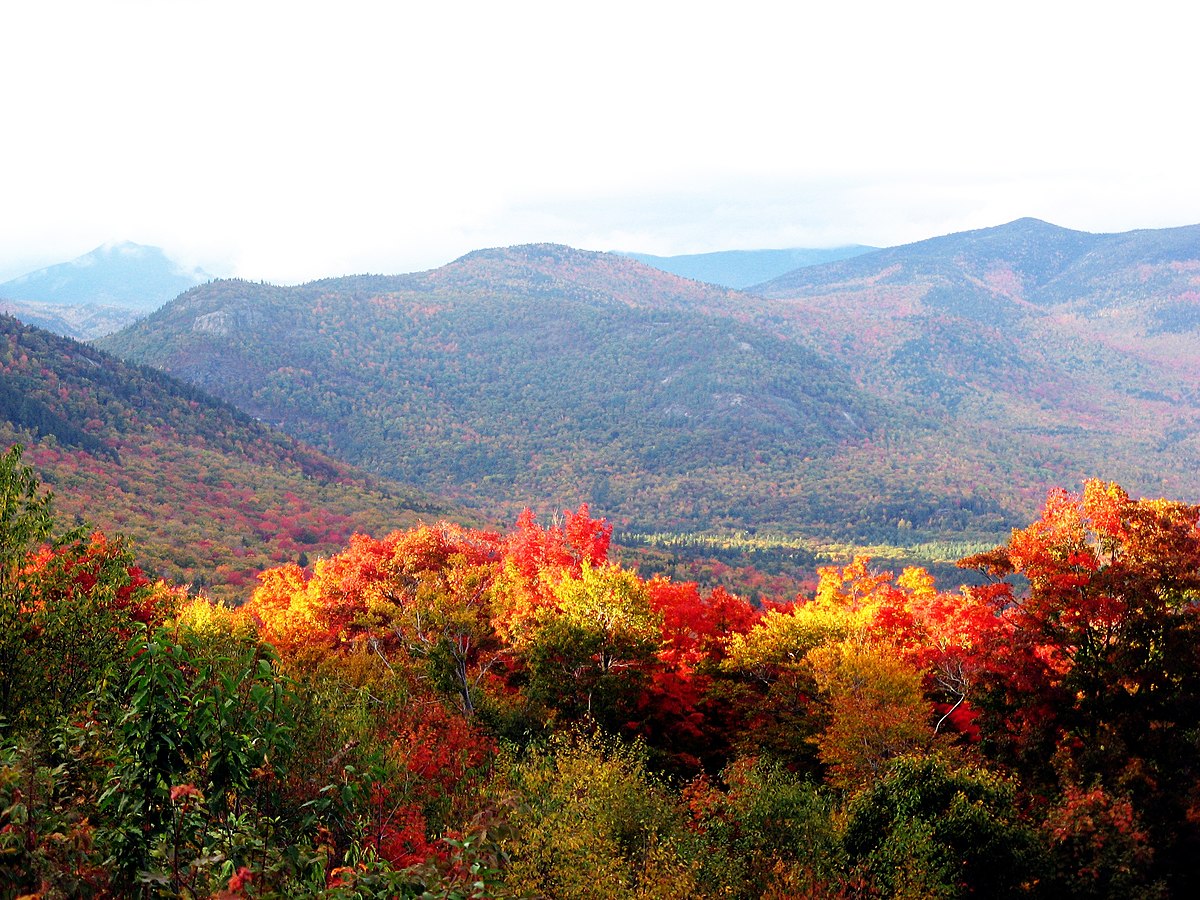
[(810, 613)]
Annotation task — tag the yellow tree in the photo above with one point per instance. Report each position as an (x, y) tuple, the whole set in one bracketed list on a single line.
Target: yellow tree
[(875, 707), (594, 641), (832, 679)]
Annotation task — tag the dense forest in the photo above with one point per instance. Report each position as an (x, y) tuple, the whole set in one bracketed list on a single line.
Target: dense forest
[(811, 619), (448, 711)]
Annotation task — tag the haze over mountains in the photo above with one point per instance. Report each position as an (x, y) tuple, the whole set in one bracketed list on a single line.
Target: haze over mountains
[(117, 274), (905, 394), (740, 269), (99, 292)]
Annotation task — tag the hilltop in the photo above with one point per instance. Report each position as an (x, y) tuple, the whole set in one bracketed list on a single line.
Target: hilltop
[(100, 292), (121, 274)]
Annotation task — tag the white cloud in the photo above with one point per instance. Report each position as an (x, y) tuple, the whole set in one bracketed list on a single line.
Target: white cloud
[(291, 141)]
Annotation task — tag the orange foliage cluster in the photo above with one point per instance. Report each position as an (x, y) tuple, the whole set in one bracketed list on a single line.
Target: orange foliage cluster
[(57, 574), (538, 627)]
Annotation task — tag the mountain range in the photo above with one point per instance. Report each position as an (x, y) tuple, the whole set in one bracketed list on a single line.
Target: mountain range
[(534, 375), (1082, 348), (902, 395), (113, 286)]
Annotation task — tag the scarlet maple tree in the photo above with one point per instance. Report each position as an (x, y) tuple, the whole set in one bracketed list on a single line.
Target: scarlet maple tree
[(1107, 626), (576, 540), (1098, 678), (950, 637)]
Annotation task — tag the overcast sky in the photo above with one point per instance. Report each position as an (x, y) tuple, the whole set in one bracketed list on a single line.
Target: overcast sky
[(288, 141)]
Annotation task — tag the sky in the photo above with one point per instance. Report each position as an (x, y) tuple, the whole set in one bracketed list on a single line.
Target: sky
[(290, 141)]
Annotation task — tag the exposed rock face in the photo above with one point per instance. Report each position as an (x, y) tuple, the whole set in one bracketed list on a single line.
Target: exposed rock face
[(214, 323)]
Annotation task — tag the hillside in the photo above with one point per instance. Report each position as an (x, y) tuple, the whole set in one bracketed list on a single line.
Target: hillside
[(208, 495), (1083, 345), (548, 376), (902, 396), (124, 274), (740, 269)]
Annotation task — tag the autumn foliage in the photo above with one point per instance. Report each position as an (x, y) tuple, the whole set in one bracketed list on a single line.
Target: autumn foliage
[(447, 711)]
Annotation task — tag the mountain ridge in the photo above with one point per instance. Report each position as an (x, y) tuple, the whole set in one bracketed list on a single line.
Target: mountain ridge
[(899, 395), (534, 383)]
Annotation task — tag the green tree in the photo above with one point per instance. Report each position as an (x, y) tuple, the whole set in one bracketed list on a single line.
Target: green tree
[(67, 602), (933, 828), (768, 833), (26, 520), (201, 740)]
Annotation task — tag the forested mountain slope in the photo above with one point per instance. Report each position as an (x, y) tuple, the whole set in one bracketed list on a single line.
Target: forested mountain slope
[(901, 396), (209, 495), (549, 376), (1085, 344)]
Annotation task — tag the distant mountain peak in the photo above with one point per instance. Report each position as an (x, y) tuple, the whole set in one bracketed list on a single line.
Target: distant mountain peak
[(558, 260), (126, 247), (564, 271), (1030, 222), (117, 273), (543, 252)]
